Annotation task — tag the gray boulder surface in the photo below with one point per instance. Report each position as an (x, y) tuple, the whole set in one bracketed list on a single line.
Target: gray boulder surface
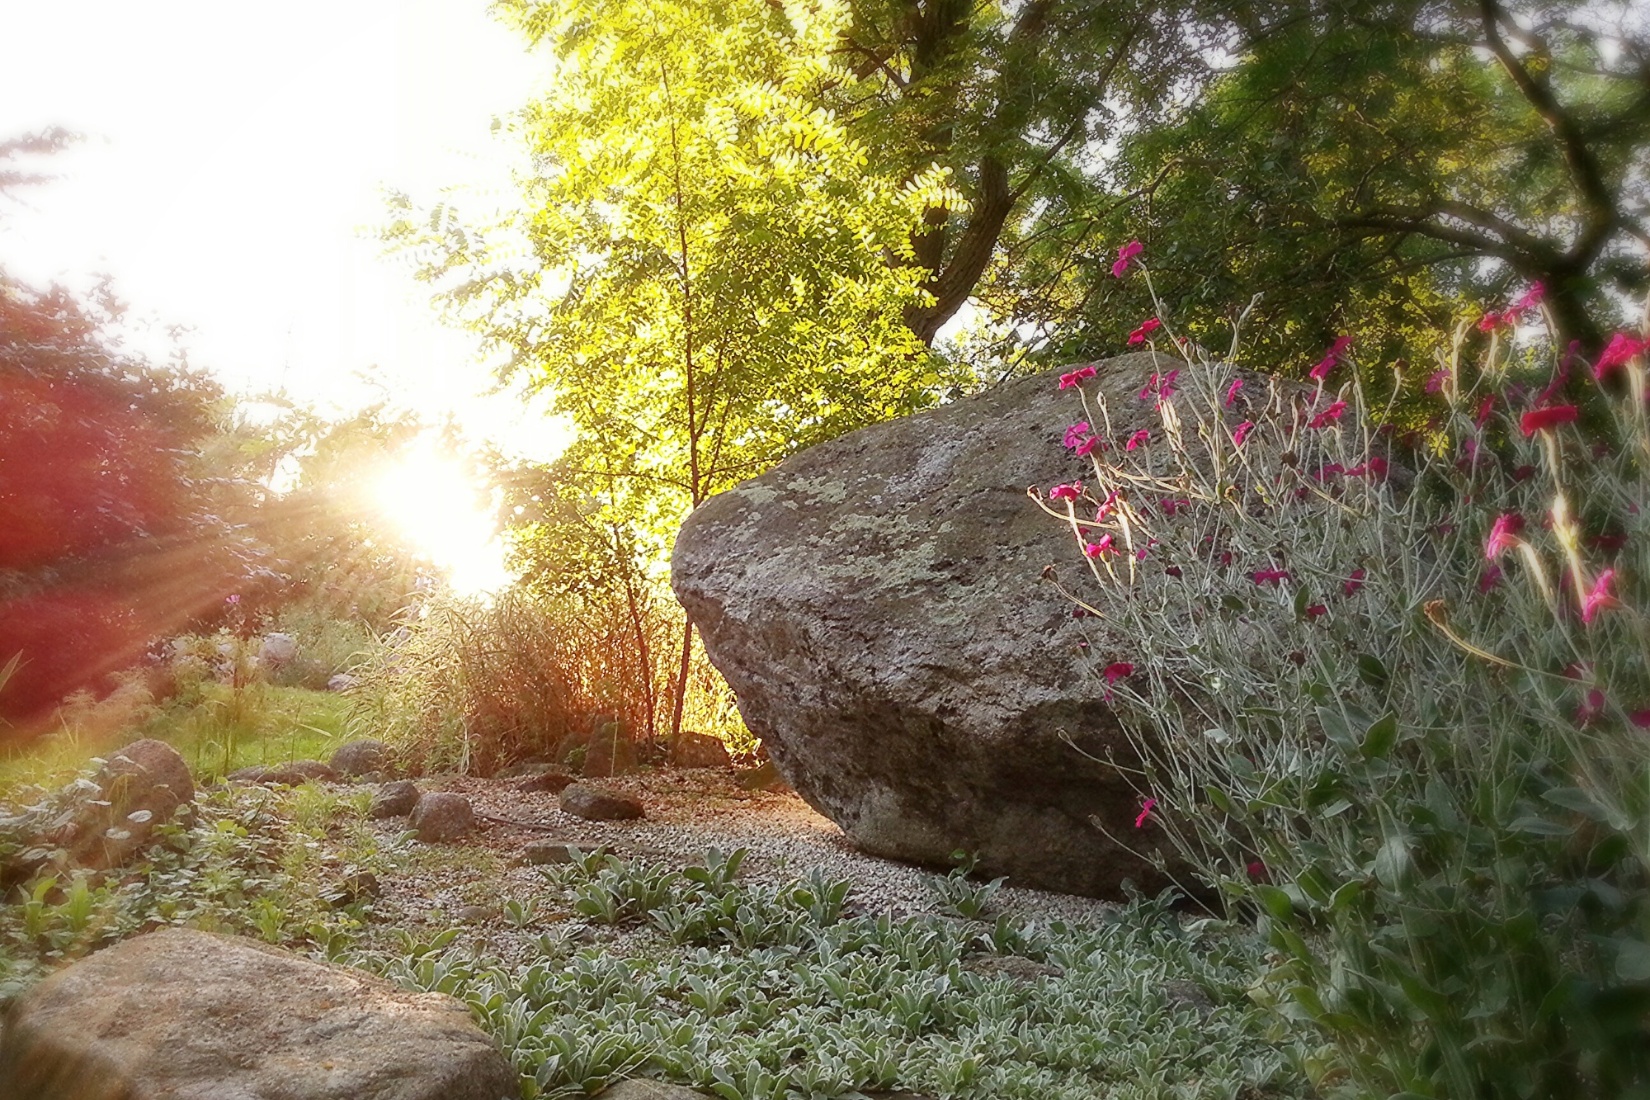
[(360, 757), (186, 1014), (442, 815), (596, 804), (879, 606), (395, 799)]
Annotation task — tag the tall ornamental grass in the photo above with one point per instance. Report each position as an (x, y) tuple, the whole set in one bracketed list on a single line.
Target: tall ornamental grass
[(1390, 692), (471, 687)]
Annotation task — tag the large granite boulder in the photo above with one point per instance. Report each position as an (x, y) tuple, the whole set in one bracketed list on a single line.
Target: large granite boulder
[(179, 1013), (878, 604)]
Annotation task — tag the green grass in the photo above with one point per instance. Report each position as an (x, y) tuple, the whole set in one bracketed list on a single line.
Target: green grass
[(215, 729)]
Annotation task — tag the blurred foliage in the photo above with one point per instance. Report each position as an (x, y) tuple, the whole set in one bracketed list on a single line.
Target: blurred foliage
[(1373, 161)]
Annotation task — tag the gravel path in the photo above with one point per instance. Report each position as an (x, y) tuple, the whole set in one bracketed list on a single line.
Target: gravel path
[(467, 884)]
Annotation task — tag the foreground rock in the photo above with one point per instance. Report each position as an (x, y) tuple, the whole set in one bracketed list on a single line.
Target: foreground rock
[(179, 1013), (442, 815), (595, 804), (877, 605)]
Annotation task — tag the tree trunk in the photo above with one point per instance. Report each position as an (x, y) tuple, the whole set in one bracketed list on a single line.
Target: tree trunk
[(681, 685)]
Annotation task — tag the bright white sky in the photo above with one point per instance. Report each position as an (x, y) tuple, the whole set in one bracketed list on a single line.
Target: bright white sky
[(233, 168)]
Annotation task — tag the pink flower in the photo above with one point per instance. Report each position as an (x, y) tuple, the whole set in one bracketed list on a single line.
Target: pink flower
[(1354, 582), (1621, 348), (1170, 506), (1329, 470), (1599, 597), (1488, 322), (1075, 433), (1066, 492), (1241, 432), (1640, 718), (1269, 576), (1232, 391), (1089, 446), (1145, 812), (1099, 549), (1315, 610), (1436, 382), (1484, 409), (1329, 415), (1257, 871), (1138, 439), (1550, 417), (1147, 327), (1523, 473), (1075, 378), (1172, 571), (1503, 535), (1491, 578), (1104, 511), (1375, 469), (1330, 358), (1125, 254), (1532, 297), (1114, 672), (232, 599), (1590, 707)]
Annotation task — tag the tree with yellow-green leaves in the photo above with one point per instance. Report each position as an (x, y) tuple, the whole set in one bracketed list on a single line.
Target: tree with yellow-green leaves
[(701, 272)]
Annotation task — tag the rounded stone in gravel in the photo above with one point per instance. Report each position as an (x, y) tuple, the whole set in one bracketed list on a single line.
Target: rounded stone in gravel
[(360, 757), (394, 799), (442, 815), (596, 804), (551, 782)]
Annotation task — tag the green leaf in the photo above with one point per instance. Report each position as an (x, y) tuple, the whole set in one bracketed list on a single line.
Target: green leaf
[(1574, 798), (1632, 960), (1392, 862), (1372, 672), (1275, 901), (1531, 825), (1380, 737)]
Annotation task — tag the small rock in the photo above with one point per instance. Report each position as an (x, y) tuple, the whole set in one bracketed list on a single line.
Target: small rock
[(1010, 966), (277, 649), (340, 681), (360, 757), (541, 852), (595, 804), (474, 914), (140, 786), (643, 1088), (442, 815), (1182, 991), (552, 782), (609, 752), (394, 799), (700, 750), (294, 774)]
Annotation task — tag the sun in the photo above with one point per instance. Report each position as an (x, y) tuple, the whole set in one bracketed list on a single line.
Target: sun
[(434, 502)]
